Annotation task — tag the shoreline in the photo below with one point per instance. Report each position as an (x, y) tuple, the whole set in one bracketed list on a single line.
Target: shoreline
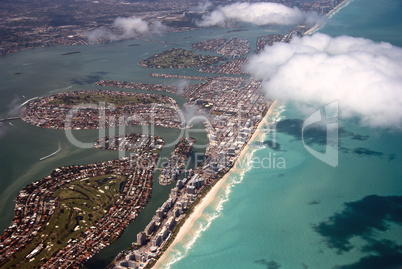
[(328, 15), (210, 196)]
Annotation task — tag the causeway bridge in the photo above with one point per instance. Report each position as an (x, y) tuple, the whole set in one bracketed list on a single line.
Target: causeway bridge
[(11, 118)]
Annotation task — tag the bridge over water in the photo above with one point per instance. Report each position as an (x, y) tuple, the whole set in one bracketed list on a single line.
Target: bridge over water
[(8, 119)]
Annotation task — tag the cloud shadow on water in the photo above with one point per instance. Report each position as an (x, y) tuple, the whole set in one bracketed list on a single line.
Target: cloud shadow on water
[(268, 264), (360, 219), (392, 156), (360, 137), (272, 145), (386, 254), (314, 202), (90, 79), (316, 135), (367, 152)]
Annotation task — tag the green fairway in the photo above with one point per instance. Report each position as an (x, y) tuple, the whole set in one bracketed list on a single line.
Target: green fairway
[(81, 204)]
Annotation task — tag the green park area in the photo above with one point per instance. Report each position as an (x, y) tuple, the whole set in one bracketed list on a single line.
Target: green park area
[(180, 58), (117, 100), (81, 204)]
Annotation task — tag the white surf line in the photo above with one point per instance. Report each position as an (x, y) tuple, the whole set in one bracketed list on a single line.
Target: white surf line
[(28, 101), (50, 155), (69, 87)]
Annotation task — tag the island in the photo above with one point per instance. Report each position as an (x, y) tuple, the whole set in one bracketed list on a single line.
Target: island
[(143, 86), (235, 47), (68, 216), (177, 161), (96, 109), (209, 45), (180, 58), (234, 67), (269, 40), (137, 143)]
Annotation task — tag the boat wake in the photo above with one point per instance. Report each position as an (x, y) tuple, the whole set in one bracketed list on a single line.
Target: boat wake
[(69, 87), (52, 154), (27, 101)]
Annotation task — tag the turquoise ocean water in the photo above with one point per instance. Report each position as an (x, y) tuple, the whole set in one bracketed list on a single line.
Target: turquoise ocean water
[(311, 215)]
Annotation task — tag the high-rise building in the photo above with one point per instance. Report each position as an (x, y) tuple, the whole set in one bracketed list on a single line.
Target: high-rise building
[(141, 238)]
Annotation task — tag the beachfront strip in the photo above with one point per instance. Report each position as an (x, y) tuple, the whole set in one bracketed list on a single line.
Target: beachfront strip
[(96, 109), (235, 107), (64, 219)]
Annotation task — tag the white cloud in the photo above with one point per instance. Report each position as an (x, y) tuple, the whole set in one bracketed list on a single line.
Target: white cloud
[(181, 85), (157, 27), (365, 76), (97, 34), (130, 27), (259, 14), (203, 6)]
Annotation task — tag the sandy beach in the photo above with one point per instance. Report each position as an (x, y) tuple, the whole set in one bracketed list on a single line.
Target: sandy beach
[(199, 209)]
